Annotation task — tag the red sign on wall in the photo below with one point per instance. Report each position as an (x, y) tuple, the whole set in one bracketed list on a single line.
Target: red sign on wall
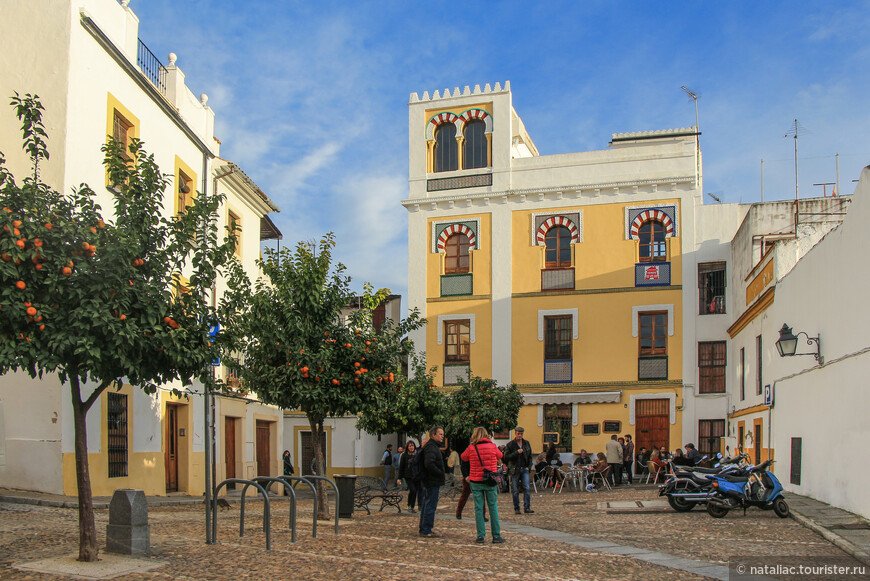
[(651, 273)]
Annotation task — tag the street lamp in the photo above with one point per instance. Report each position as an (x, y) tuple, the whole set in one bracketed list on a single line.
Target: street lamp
[(787, 344)]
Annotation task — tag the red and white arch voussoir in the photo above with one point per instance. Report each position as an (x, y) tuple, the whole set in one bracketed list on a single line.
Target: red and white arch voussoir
[(557, 221), (446, 117), (648, 215), (456, 229), (477, 115)]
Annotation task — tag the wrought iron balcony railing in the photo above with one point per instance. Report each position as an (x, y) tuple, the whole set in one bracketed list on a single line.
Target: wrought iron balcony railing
[(151, 67)]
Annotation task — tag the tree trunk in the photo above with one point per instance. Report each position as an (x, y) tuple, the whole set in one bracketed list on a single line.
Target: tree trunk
[(316, 438), (87, 529)]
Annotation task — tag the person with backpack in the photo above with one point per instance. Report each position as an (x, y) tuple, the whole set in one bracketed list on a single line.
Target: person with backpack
[(409, 473), (387, 463)]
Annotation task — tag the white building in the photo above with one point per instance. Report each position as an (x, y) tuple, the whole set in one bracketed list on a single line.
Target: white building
[(96, 78)]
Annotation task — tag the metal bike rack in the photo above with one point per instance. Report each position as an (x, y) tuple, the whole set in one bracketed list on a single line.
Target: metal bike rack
[(266, 509), (267, 482), (334, 487), (313, 490)]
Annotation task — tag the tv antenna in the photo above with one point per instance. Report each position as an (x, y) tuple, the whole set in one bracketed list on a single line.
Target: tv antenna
[(716, 198), (796, 130)]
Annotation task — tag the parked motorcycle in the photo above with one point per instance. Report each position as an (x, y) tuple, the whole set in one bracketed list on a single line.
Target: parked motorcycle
[(690, 486), (760, 488)]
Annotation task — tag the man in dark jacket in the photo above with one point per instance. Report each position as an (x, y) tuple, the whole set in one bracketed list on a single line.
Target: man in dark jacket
[(518, 457), (432, 468)]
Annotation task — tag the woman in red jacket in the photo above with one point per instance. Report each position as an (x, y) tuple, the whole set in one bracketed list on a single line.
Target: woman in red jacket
[(482, 453)]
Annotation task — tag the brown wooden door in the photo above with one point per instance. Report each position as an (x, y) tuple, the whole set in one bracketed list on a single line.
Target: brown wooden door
[(263, 455), (171, 448), (230, 448), (652, 424)]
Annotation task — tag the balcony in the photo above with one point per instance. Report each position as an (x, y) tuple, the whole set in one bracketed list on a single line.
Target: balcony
[(652, 368), (453, 372), (557, 279), (454, 285), (151, 67), (558, 370), (652, 274)]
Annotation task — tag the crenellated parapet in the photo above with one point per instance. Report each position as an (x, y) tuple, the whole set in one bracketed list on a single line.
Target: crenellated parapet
[(465, 92)]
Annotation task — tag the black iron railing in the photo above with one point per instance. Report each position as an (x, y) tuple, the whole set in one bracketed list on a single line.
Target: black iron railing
[(151, 66)]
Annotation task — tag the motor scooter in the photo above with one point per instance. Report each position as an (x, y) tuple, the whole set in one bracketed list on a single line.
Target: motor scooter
[(690, 486), (760, 488)]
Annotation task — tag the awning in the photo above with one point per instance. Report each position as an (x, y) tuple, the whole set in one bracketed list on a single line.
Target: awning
[(571, 398)]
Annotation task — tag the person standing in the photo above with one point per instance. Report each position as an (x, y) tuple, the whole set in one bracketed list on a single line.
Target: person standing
[(614, 460), (387, 463), (405, 474), (482, 453), (396, 457), (288, 464), (628, 457), (518, 457), (432, 467), (465, 468)]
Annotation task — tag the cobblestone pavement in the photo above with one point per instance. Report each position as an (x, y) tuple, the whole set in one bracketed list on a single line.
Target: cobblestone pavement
[(386, 546)]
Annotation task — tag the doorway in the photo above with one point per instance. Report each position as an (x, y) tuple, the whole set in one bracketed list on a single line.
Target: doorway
[(757, 443), (652, 424), (308, 453), (171, 448), (264, 457), (230, 449)]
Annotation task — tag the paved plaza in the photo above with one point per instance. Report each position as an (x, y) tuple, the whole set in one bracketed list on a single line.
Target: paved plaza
[(623, 534)]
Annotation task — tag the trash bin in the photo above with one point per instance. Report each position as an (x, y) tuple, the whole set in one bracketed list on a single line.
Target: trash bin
[(345, 484)]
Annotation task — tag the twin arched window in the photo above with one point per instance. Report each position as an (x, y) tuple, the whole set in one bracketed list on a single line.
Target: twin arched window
[(475, 149), (652, 241)]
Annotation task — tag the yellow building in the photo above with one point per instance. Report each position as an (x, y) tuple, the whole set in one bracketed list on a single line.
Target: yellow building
[(561, 273)]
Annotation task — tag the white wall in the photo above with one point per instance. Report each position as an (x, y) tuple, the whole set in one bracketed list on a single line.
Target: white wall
[(824, 294)]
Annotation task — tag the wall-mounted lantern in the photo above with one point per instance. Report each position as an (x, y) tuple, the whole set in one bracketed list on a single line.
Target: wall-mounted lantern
[(787, 344)]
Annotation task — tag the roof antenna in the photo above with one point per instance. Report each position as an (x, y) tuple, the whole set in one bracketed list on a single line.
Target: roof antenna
[(716, 198), (795, 130)]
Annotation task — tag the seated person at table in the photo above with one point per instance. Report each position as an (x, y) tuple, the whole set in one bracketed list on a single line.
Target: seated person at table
[(552, 454), (664, 454), (597, 468), (679, 459), (643, 456), (540, 463), (582, 459), (659, 466)]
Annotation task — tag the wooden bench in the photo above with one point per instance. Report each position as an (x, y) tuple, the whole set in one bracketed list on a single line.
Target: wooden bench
[(367, 489)]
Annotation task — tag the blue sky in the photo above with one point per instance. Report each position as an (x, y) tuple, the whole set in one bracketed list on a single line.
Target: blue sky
[(311, 97)]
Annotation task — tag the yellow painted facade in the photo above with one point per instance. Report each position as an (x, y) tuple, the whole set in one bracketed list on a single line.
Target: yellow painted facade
[(601, 198)]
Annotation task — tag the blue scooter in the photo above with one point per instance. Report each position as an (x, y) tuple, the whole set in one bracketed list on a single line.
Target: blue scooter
[(761, 488)]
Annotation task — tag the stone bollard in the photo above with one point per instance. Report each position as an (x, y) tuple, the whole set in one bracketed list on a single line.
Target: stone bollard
[(128, 531)]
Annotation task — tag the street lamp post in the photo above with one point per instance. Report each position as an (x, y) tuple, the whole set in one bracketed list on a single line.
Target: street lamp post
[(787, 344)]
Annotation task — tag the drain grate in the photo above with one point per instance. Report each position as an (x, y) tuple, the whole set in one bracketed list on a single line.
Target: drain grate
[(575, 503)]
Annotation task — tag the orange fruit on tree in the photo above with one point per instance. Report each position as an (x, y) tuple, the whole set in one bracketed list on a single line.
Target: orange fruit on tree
[(48, 226), (38, 267), (42, 327), (85, 245), (166, 320), (123, 317), (101, 224), (5, 257), (16, 231), (66, 271), (94, 230), (31, 311), (37, 242), (16, 223), (20, 285), (20, 243)]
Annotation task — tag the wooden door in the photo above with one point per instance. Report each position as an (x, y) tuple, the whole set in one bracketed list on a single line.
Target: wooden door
[(652, 424), (263, 455), (230, 448), (171, 448)]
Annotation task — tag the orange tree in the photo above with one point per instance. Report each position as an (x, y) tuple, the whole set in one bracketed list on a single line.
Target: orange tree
[(414, 406), (95, 299), (298, 352), (482, 402)]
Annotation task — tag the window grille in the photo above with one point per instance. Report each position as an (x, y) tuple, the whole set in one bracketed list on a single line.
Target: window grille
[(557, 418), (711, 366), (457, 284), (557, 279), (652, 368), (116, 422), (711, 288), (710, 433), (454, 372)]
